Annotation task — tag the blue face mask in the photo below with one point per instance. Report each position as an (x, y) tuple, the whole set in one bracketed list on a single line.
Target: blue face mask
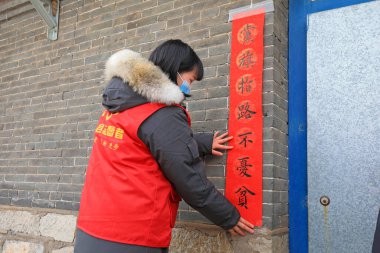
[(185, 86)]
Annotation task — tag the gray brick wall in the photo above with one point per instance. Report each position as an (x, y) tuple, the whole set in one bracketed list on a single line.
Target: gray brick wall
[(50, 91)]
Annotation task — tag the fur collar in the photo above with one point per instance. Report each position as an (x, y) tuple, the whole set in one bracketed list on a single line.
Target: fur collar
[(143, 76)]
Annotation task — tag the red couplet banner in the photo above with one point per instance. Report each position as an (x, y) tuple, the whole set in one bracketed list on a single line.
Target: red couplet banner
[(244, 161)]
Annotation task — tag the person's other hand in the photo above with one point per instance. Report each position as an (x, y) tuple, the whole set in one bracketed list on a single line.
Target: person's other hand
[(218, 143), (241, 226)]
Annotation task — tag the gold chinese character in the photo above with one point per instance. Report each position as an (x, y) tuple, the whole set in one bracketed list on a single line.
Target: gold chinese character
[(109, 115), (246, 59), (99, 128), (245, 110), (110, 131), (247, 34), (245, 85), (119, 133), (104, 132)]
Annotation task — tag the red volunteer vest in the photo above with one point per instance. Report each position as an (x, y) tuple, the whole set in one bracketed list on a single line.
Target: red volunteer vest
[(126, 198)]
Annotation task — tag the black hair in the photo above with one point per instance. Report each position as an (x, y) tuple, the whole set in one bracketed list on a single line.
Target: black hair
[(174, 56)]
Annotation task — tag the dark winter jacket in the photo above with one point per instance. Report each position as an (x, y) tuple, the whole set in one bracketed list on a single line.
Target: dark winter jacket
[(131, 82)]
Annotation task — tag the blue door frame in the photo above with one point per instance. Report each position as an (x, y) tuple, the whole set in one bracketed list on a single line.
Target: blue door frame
[(298, 212)]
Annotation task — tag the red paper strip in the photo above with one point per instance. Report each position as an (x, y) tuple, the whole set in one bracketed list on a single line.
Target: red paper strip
[(244, 162)]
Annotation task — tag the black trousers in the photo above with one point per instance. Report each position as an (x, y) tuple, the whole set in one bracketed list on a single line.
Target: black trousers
[(85, 243)]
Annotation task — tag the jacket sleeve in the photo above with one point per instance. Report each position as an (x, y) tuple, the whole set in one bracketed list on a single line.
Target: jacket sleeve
[(170, 140), (204, 141)]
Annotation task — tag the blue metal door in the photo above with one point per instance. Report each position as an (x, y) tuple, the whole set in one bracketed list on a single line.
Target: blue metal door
[(334, 126)]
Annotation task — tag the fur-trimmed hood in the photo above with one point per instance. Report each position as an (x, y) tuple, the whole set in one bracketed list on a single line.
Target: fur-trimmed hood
[(143, 77)]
